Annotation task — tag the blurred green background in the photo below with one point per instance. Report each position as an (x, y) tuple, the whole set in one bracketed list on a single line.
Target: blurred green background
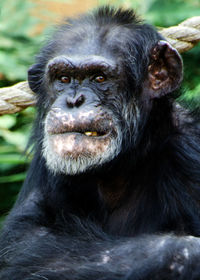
[(23, 28)]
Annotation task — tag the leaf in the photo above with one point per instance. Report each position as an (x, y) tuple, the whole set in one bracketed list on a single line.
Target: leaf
[(12, 159), (7, 121), (13, 178), (16, 138)]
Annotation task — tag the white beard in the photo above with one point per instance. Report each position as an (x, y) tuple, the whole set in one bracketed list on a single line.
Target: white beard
[(68, 164)]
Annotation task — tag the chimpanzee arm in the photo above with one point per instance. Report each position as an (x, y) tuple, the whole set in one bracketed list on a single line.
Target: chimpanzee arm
[(88, 253)]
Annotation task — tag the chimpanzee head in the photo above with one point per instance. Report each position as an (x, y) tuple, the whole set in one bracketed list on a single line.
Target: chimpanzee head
[(96, 80)]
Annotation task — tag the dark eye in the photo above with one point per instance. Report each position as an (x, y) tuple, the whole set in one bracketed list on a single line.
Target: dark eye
[(65, 79), (99, 79)]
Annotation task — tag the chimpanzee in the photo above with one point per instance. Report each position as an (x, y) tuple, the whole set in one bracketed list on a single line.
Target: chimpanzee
[(113, 191)]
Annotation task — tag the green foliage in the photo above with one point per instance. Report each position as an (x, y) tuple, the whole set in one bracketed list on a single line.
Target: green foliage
[(161, 12), (192, 77), (16, 54), (14, 133), (171, 12), (17, 47)]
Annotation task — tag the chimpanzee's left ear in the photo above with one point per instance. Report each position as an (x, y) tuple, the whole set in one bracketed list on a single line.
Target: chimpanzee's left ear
[(164, 71)]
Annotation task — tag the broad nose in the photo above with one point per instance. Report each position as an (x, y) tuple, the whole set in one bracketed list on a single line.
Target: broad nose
[(76, 101)]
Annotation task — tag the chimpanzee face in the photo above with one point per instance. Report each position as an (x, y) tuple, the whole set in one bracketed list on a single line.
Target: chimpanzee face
[(82, 127)]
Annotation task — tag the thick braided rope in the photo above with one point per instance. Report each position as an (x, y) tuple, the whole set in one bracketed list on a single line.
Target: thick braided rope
[(183, 37), (16, 98)]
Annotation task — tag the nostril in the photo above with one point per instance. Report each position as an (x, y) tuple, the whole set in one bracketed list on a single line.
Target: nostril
[(80, 100), (70, 104)]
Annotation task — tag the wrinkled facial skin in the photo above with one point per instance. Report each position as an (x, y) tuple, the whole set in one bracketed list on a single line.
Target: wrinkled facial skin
[(81, 130)]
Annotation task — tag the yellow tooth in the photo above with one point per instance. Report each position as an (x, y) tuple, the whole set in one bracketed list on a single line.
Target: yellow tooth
[(90, 133)]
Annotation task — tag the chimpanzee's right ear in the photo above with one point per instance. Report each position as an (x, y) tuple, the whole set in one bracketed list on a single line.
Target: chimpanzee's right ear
[(35, 76)]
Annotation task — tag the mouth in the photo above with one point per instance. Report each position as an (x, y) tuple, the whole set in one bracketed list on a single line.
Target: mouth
[(91, 132)]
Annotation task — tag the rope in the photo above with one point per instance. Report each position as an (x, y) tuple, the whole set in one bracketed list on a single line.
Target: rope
[(16, 98), (183, 37)]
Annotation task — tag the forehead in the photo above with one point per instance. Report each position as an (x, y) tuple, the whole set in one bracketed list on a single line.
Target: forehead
[(92, 40), (82, 60)]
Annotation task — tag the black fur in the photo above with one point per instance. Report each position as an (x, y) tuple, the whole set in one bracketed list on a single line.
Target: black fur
[(61, 228)]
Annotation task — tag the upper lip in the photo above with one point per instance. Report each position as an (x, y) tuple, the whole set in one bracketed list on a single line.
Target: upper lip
[(100, 124)]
